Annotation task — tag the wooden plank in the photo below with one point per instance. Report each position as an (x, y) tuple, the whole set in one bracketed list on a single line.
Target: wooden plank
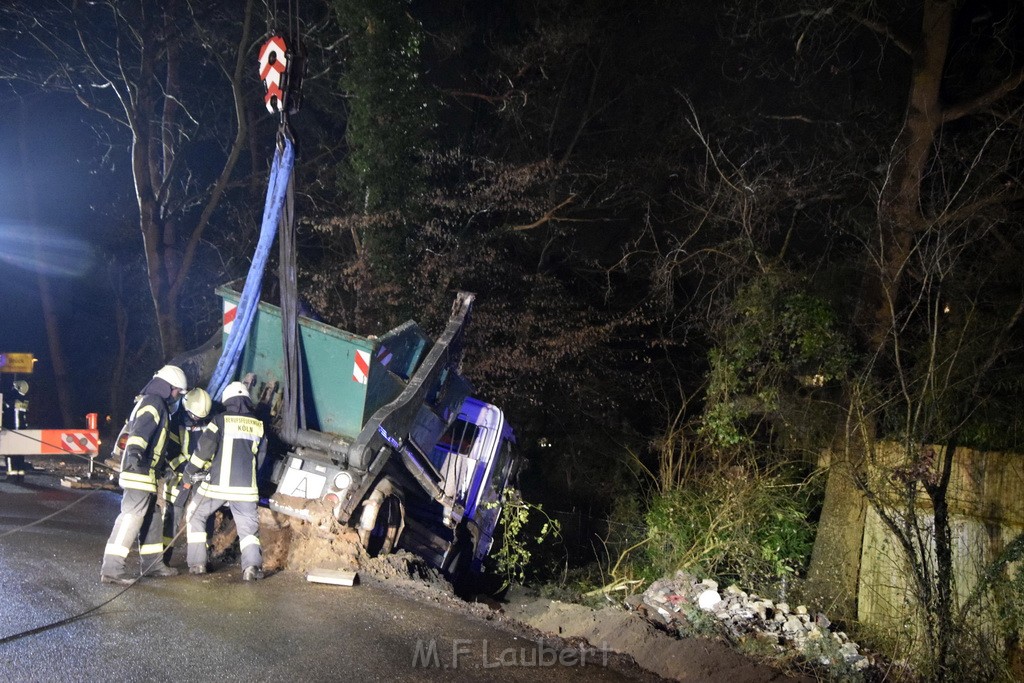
[(337, 577)]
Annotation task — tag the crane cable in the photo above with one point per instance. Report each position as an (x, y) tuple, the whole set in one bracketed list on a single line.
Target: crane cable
[(292, 411), (278, 205), (277, 188)]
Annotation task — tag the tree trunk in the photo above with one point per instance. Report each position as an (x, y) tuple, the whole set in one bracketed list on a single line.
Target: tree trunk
[(944, 575), (152, 160), (899, 210), (835, 562), (833, 575)]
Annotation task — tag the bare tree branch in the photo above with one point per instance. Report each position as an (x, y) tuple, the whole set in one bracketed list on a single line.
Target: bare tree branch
[(984, 100)]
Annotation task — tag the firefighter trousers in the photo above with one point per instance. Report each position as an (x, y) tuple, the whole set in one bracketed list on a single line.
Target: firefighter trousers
[(172, 516), (171, 520), (139, 520), (16, 467), (246, 522)]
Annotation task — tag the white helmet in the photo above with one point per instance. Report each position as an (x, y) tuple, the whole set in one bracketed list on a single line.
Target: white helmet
[(174, 376), (234, 390), (197, 402), (21, 386)]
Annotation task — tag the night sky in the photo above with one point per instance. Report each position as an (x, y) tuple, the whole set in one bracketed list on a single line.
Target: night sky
[(59, 191)]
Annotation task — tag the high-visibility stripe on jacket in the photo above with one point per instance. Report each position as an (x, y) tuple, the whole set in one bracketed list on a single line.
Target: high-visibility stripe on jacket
[(182, 436), (147, 435), (231, 443), (177, 443)]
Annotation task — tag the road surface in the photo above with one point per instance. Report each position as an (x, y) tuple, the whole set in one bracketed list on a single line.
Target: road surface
[(217, 628)]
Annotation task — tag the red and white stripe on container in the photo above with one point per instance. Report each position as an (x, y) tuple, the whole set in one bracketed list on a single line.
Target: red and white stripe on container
[(230, 311), (361, 367)]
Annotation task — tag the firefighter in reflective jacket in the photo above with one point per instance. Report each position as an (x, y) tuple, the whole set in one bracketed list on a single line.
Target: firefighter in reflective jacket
[(183, 434), (233, 442), (15, 416), (142, 458)]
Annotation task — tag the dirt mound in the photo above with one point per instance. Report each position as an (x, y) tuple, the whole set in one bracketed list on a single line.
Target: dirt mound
[(295, 545), (289, 543), (614, 629)]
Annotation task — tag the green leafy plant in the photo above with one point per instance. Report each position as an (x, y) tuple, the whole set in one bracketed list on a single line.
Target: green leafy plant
[(753, 529), (524, 526), (777, 341)]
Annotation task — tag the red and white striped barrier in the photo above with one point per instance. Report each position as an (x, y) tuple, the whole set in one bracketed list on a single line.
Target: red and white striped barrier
[(50, 442)]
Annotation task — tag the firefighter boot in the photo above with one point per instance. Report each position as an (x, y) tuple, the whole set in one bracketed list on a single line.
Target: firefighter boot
[(252, 574), (121, 579), (161, 569)]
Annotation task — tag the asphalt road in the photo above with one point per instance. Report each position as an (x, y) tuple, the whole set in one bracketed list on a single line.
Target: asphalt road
[(217, 628)]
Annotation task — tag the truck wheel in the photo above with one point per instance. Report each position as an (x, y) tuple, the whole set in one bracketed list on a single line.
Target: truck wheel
[(458, 564), (458, 568), (382, 521)]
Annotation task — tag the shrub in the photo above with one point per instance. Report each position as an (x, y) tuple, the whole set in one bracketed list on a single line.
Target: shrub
[(751, 529)]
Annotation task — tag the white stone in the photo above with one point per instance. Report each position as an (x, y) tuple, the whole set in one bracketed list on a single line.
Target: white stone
[(711, 584), (708, 599), (858, 662), (793, 625)]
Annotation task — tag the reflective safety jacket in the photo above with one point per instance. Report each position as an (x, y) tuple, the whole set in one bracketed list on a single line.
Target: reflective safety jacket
[(182, 438), (231, 443), (144, 448)]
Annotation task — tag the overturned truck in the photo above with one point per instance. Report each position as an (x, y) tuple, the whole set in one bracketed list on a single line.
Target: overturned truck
[(386, 439)]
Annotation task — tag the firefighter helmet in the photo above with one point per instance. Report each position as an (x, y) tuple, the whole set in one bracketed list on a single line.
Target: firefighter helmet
[(234, 390), (174, 376), (197, 402)]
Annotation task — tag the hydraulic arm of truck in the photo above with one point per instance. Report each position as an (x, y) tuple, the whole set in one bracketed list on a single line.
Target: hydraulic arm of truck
[(386, 432)]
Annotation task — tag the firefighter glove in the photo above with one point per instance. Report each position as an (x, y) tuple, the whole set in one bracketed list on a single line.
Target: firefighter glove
[(133, 461), (181, 494)]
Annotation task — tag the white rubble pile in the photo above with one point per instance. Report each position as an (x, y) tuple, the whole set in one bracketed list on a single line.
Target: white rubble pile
[(741, 615)]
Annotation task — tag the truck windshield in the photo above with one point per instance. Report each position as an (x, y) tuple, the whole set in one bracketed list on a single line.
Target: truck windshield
[(499, 477), (457, 439)]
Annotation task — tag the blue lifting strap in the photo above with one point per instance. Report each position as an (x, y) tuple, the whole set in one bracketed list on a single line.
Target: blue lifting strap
[(277, 189)]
